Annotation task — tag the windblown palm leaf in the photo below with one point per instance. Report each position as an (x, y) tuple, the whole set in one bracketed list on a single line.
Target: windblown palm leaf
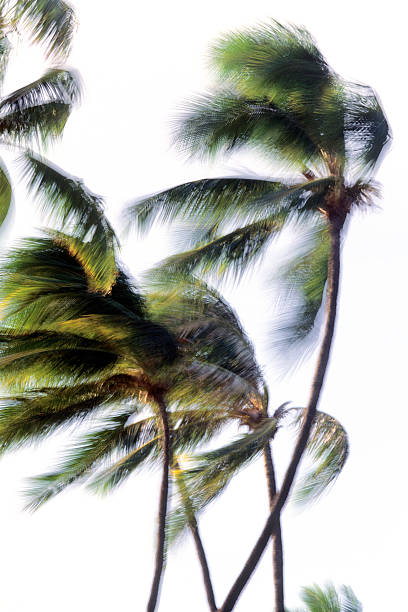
[(73, 206), (329, 599), (51, 22), (328, 447)]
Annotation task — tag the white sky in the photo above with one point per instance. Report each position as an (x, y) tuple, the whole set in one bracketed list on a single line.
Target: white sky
[(85, 553)]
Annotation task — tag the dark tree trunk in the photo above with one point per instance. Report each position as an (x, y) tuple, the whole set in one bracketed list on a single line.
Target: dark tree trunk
[(164, 495), (321, 367), (204, 565), (277, 548), (193, 526)]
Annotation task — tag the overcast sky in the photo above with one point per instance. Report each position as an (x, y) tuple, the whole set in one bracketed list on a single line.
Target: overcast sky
[(80, 552)]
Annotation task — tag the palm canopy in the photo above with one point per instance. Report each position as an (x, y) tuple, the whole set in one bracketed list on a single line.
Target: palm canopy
[(280, 97)]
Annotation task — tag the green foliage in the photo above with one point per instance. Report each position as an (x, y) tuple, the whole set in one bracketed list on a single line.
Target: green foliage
[(50, 22), (68, 201), (329, 599), (328, 448), (277, 95), (6, 194)]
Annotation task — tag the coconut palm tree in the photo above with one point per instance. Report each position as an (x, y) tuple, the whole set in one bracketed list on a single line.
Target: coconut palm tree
[(278, 96), (90, 354), (68, 352)]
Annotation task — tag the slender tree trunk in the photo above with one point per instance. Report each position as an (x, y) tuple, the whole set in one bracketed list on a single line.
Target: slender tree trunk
[(277, 548), (321, 367), (193, 526), (204, 565), (164, 495)]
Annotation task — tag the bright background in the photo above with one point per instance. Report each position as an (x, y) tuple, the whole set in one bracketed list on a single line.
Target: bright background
[(138, 63)]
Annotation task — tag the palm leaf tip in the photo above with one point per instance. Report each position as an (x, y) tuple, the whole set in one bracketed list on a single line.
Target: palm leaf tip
[(51, 22), (328, 447), (73, 206)]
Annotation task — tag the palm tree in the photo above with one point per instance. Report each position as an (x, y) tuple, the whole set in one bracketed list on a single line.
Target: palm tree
[(329, 599), (278, 95), (68, 352), (35, 114)]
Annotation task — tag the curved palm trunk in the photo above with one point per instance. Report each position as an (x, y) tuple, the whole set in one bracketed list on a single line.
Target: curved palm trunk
[(277, 548), (321, 367), (164, 495), (193, 526)]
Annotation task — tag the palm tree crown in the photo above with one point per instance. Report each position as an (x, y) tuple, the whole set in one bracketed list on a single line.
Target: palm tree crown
[(278, 96)]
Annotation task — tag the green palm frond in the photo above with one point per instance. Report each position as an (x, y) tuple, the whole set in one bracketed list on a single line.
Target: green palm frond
[(328, 447), (230, 255), (40, 357), (224, 122), (42, 283), (56, 85), (6, 192), (209, 201), (302, 289), (329, 599), (5, 49), (86, 455), (39, 124), (318, 599), (71, 204), (214, 470), (273, 60), (31, 416), (107, 480), (367, 130), (50, 22)]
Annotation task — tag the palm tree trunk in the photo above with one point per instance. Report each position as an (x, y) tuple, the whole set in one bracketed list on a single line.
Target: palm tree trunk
[(193, 526), (277, 548), (164, 495), (321, 367), (204, 565)]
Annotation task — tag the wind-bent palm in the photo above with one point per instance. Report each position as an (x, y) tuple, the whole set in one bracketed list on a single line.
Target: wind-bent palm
[(279, 96), (68, 353)]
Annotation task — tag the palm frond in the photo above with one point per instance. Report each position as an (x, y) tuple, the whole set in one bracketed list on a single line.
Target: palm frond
[(116, 474), (40, 110), (302, 284), (318, 599), (366, 128), (72, 205), (224, 122), (40, 357), (84, 457), (5, 48), (51, 22), (349, 600), (39, 124), (31, 416), (6, 192), (328, 447), (229, 255), (273, 60), (207, 202)]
